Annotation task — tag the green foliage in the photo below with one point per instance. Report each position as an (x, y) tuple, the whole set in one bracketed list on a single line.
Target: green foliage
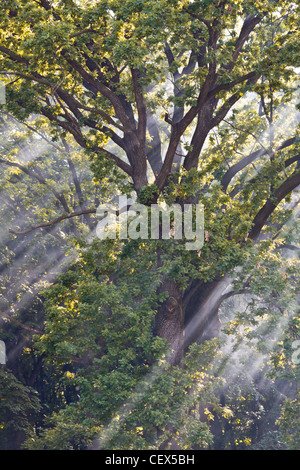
[(147, 194), (83, 311), (19, 408), (289, 423), (103, 333)]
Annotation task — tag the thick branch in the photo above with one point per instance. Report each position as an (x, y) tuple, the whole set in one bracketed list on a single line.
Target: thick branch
[(229, 85), (141, 106), (249, 24), (261, 218), (287, 246), (102, 89), (230, 294), (229, 175), (169, 158), (203, 97)]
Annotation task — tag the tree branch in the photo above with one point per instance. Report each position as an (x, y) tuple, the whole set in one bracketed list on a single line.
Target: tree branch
[(141, 106), (249, 24), (40, 179), (287, 246), (103, 114), (229, 175), (21, 325), (229, 85), (261, 218), (102, 89), (48, 6), (53, 222), (73, 104), (120, 163), (230, 294)]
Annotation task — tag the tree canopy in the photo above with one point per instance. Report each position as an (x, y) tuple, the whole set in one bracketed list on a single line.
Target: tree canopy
[(142, 343)]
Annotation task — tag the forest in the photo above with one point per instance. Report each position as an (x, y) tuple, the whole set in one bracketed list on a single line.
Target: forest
[(137, 342)]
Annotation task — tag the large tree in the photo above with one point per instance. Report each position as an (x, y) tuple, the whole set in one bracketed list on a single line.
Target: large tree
[(140, 85)]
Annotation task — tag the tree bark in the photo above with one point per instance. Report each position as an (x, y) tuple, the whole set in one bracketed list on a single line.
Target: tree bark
[(169, 322), (192, 317)]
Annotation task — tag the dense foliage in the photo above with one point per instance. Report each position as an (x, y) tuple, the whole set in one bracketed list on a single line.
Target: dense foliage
[(142, 344)]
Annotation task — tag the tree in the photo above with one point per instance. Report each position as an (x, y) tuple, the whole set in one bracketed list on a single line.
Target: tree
[(179, 101), (105, 70)]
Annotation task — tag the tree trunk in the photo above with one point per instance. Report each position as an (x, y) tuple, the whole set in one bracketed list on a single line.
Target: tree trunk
[(194, 317), (170, 320)]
